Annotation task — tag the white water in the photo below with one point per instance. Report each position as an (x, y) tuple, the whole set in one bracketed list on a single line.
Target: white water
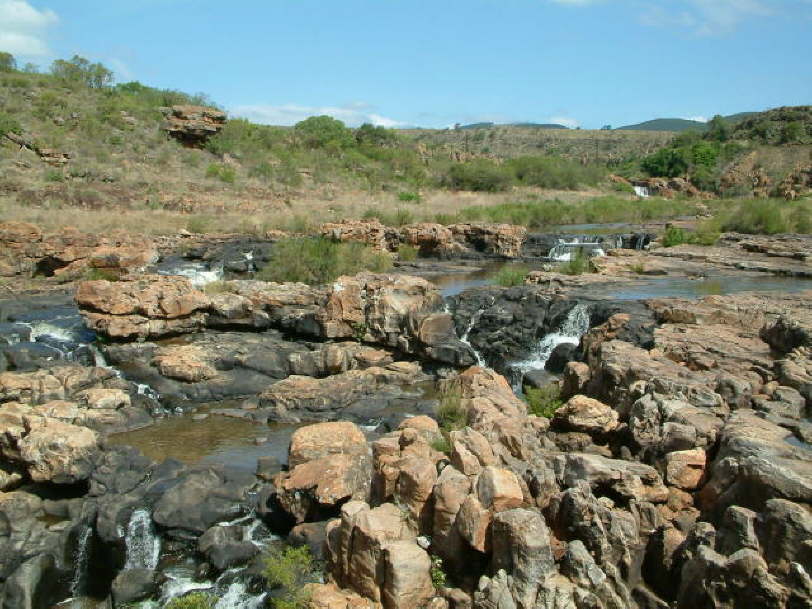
[(642, 191), (563, 251), (572, 329), (142, 541), (81, 556), (237, 596), (480, 361), (196, 272)]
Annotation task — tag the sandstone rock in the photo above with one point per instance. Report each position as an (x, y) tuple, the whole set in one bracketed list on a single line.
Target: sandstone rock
[(499, 489), (685, 468), (497, 239), (473, 523), (324, 439), (330, 596), (581, 413), (407, 582), (57, 452), (368, 232), (193, 125), (430, 238), (184, 363)]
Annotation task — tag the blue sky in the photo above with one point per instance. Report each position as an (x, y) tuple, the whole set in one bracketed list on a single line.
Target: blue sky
[(437, 62)]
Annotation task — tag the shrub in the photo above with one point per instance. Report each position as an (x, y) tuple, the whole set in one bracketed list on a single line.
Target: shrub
[(224, 173), (409, 197), (216, 287), (317, 261), (324, 132), (54, 175), (441, 443), (638, 268), (510, 275), (577, 265), (407, 253), (479, 175), (198, 224), (674, 236), (9, 124), (450, 413), (101, 274), (7, 62), (290, 569), (623, 187), (667, 163), (543, 401), (554, 172), (759, 216), (438, 577), (193, 600)]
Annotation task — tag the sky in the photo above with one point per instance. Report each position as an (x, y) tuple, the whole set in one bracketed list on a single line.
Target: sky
[(433, 63)]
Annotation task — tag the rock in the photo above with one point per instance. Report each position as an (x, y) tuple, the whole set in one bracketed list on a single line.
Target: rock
[(584, 414), (330, 596), (496, 239), (150, 306), (368, 232), (314, 490), (685, 468), (193, 125), (132, 585), (560, 356), (407, 582), (224, 547), (57, 452), (311, 534), (431, 239), (323, 439), (26, 251), (499, 489), (196, 500)]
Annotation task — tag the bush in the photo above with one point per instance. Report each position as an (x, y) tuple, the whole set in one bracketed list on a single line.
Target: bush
[(762, 217), (624, 187), (9, 124), (577, 265), (317, 261), (438, 577), (479, 175), (198, 224), (543, 401), (554, 172), (451, 415), (193, 600), (290, 569), (324, 132), (510, 275), (666, 163), (79, 70), (441, 443), (7, 62), (409, 197), (224, 173), (408, 253), (674, 236)]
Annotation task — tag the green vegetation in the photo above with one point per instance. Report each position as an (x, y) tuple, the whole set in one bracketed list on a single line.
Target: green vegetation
[(193, 600), (510, 275), (707, 233), (550, 213), (438, 576), (224, 173), (479, 175), (78, 71), (451, 415), (767, 217), (94, 274), (441, 443), (408, 253), (317, 261), (290, 569), (555, 172), (543, 401), (576, 265)]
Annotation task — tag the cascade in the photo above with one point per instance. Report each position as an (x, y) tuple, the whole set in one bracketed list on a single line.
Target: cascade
[(142, 542), (642, 191), (81, 556)]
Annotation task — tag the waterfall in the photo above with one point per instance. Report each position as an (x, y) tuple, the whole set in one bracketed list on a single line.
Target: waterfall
[(142, 541), (642, 191), (480, 361), (237, 596), (147, 391), (571, 330), (196, 272), (81, 556)]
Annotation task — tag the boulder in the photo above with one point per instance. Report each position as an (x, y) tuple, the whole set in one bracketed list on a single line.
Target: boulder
[(587, 415), (193, 125), (132, 585), (685, 468), (323, 439)]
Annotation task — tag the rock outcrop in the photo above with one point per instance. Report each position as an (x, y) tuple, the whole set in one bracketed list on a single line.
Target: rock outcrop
[(193, 125), (26, 251)]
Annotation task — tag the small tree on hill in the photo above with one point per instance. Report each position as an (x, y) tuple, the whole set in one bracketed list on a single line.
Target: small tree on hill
[(79, 70), (7, 62), (718, 129), (324, 132)]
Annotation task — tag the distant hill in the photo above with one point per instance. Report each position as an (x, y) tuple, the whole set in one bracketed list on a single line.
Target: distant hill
[(529, 125), (682, 124), (665, 124)]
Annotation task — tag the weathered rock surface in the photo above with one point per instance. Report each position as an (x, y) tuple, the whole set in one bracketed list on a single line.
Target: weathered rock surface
[(193, 125), (26, 251)]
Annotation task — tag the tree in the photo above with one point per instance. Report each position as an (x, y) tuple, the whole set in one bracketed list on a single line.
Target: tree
[(792, 132), (7, 62), (324, 132), (718, 129), (79, 70), (666, 163), (371, 135), (606, 128)]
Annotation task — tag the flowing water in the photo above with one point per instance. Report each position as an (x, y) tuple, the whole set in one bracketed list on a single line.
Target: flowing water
[(142, 542), (571, 330), (81, 556), (198, 273)]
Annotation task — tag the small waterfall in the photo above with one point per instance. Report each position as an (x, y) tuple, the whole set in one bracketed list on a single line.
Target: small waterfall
[(642, 191), (142, 541), (147, 391), (197, 273), (81, 557), (236, 596), (572, 329), (480, 361), (249, 258)]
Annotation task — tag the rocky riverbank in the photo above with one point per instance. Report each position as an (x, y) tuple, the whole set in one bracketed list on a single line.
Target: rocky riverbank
[(677, 471)]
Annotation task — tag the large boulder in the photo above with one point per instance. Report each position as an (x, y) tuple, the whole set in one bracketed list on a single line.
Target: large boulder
[(193, 125)]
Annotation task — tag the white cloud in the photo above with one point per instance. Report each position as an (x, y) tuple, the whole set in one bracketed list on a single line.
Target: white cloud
[(699, 119), (707, 17), (352, 114), (23, 28), (564, 120)]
